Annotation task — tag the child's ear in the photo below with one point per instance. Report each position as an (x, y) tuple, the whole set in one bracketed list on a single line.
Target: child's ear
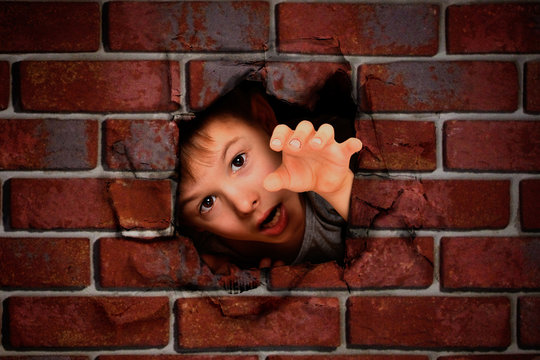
[(263, 113)]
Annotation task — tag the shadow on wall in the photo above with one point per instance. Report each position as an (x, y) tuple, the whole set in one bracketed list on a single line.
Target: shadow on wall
[(179, 262)]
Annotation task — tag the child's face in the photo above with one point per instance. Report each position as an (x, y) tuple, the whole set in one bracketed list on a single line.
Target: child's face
[(226, 196)]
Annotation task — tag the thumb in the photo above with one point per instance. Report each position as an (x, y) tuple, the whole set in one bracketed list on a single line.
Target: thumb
[(276, 180), (353, 145)]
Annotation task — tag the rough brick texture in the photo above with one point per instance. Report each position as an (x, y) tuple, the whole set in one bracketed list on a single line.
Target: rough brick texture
[(528, 320), (48, 144), (366, 267), (5, 80), (47, 204), (64, 322), (445, 322), (178, 357), (492, 145), (529, 204), (49, 27), (99, 86), (258, 322), (364, 29), (141, 144), (430, 204), (197, 26), (532, 87), (44, 263), (490, 263), (493, 28), (397, 145), (168, 263), (296, 83), (438, 86)]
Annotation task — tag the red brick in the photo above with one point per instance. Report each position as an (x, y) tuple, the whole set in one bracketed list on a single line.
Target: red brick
[(361, 29), (328, 276), (258, 322), (529, 204), (140, 144), (48, 204), (528, 320), (99, 86), (389, 263), (49, 27), (347, 357), (31, 144), (397, 145), (490, 263), (532, 87), (430, 204), (66, 322), (493, 28), (429, 322), (5, 81), (490, 357), (44, 357), (296, 83), (44, 263), (441, 86), (189, 26), (163, 264), (492, 145), (178, 357)]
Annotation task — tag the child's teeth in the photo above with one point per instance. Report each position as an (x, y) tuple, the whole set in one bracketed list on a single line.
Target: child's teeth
[(274, 219)]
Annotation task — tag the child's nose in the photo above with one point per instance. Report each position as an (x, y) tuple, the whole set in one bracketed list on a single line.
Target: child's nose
[(244, 200)]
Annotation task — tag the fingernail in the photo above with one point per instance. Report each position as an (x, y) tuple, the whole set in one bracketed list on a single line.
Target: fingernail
[(316, 141), (295, 143), (276, 142)]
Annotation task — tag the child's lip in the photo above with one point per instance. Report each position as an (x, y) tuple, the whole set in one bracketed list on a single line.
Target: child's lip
[(279, 226)]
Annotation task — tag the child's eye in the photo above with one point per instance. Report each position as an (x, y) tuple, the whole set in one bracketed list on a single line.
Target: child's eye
[(238, 162), (207, 204)]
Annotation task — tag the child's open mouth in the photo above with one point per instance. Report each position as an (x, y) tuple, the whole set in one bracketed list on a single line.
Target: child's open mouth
[(275, 222)]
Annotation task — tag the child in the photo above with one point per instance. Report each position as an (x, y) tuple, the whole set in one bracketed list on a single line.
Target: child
[(260, 199)]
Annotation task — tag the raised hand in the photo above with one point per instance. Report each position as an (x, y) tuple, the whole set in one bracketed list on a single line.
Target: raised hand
[(313, 161)]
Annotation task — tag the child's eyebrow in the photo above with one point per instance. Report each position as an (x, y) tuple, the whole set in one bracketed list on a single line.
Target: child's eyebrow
[(227, 145)]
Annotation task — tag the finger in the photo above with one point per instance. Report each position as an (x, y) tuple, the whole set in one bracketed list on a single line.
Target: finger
[(303, 131), (279, 136), (324, 135), (352, 145), (277, 180)]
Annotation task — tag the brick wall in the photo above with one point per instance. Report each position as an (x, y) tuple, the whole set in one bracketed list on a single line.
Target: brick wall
[(444, 262)]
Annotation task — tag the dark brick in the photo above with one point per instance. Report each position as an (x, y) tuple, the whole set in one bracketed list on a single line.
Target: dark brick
[(493, 28), (258, 322), (67, 322), (528, 320), (5, 81), (168, 263), (178, 357), (389, 263), (32, 144), (490, 263), (532, 87), (49, 26), (361, 29), (99, 86), (430, 204), (327, 276), (141, 145), (397, 145), (48, 204), (188, 26), (438, 322), (40, 263), (347, 357), (296, 82), (490, 357), (492, 145), (438, 86), (529, 204)]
